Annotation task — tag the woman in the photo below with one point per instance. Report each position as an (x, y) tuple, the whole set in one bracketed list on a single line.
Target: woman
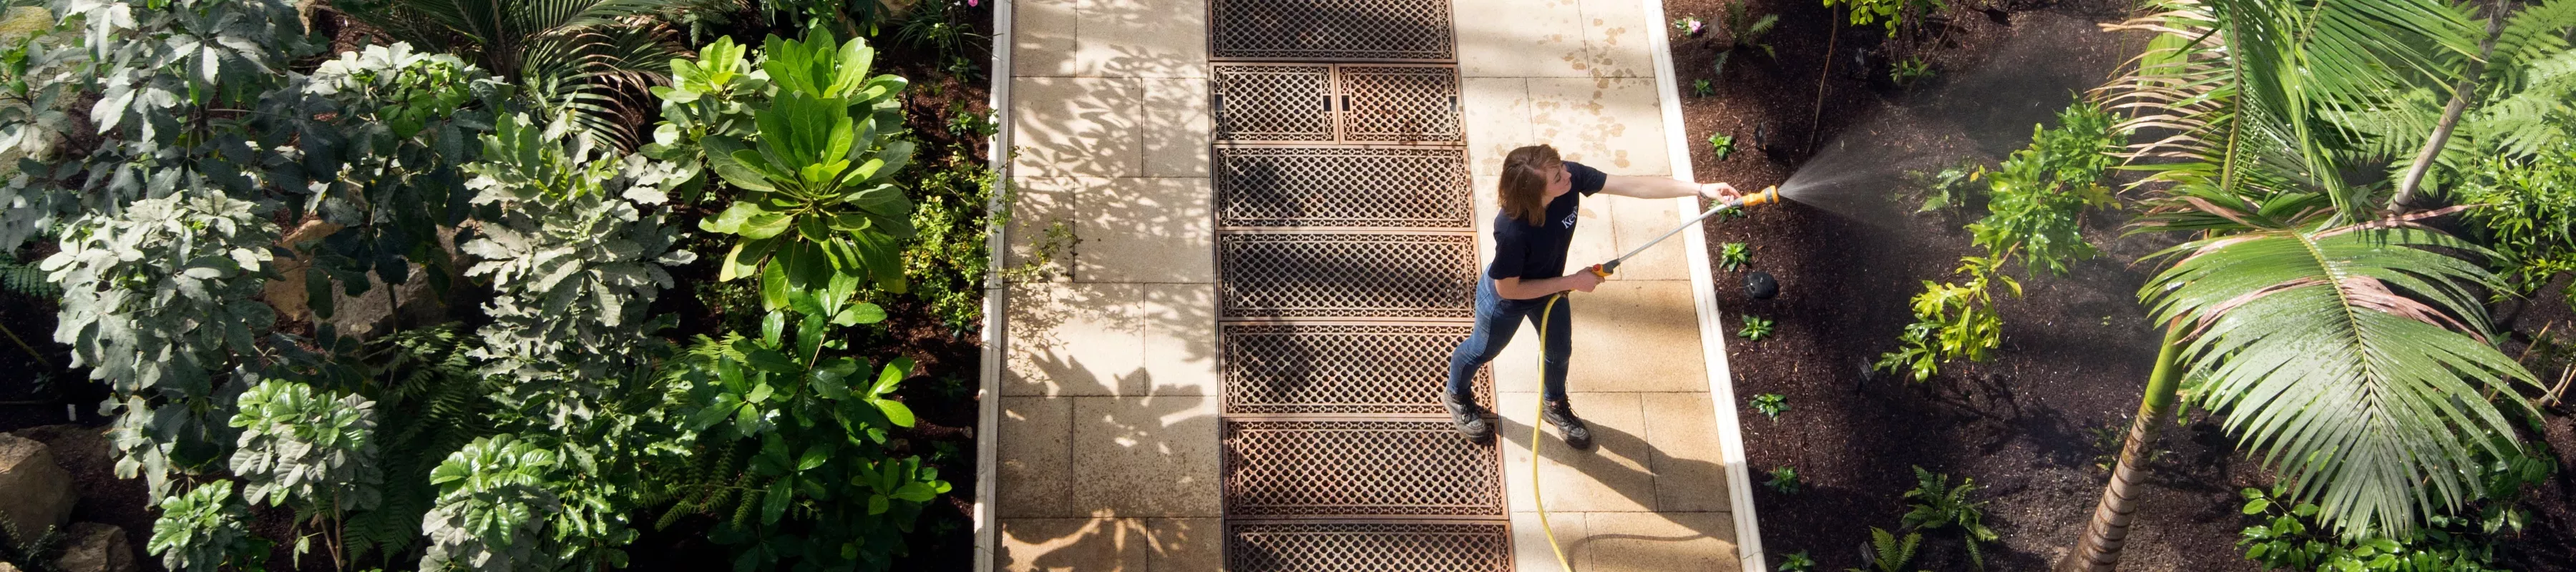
[(1539, 195)]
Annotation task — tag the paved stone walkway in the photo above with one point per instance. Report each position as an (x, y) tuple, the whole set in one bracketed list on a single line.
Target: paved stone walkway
[(1108, 444)]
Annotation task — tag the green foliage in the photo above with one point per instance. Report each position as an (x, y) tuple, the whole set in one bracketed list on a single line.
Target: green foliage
[(205, 530), (386, 163), (1743, 31), (311, 449), (1910, 70), (2289, 538), (820, 211), (2527, 213), (1755, 328), (156, 300), (2035, 205), (819, 487), (941, 27), (572, 260), (1889, 554), (1933, 504), (579, 60), (1784, 480), (1948, 187), (945, 261), (42, 70), (1796, 562), (1952, 321), (1722, 144), (1771, 405), (27, 279), (1889, 14), (495, 504), (1733, 256), (1689, 25), (2037, 198), (1703, 88), (2311, 315)]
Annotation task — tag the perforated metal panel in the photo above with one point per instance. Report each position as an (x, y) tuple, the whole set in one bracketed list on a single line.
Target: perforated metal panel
[(1330, 29), (1347, 468), (1368, 547), (1273, 103), (1341, 368), (1342, 104), (1298, 275), (1404, 104), (1345, 187)]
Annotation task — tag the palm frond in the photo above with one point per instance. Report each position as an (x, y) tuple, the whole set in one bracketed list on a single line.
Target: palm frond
[(2352, 357), (589, 61)]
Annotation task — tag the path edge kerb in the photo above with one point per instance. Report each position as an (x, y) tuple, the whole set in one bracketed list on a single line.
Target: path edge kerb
[(1712, 330), (988, 393)]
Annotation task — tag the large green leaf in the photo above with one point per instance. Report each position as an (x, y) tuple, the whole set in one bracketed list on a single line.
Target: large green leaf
[(2351, 357)]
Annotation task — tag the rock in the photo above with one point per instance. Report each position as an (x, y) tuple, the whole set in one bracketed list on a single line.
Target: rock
[(35, 493), (94, 547), (7, 567)]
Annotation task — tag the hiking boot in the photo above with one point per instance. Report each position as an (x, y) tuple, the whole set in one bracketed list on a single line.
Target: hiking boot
[(1560, 414), (1469, 417)]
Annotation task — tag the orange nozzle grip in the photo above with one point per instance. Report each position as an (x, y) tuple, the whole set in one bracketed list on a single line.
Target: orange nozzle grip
[(1768, 195), (1598, 270)]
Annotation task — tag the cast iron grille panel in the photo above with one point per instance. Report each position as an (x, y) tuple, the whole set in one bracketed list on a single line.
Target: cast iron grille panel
[(1342, 104), (1406, 104), (1357, 468), (1330, 29), (1274, 103), (1368, 547), (1301, 275), (1340, 368), (1343, 187)]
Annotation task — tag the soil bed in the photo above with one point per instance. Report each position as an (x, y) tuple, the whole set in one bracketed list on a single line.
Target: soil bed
[(2032, 424)]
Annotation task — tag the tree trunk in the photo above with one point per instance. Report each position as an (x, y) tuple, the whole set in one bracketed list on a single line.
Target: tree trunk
[(2460, 94), (2099, 550)]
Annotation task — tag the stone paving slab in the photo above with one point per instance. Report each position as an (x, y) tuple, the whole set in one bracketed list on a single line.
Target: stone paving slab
[(1108, 435)]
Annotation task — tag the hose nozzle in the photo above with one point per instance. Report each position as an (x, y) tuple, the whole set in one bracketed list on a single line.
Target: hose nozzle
[(1768, 195)]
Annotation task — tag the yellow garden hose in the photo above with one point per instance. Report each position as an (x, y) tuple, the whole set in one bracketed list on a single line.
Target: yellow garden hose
[(1548, 314), (1537, 418)]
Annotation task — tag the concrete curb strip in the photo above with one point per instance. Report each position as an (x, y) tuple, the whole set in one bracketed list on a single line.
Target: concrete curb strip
[(1721, 381), (988, 406)]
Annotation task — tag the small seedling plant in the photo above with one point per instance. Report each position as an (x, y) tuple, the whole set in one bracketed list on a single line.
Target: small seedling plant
[(1744, 32), (1887, 553), (1935, 505), (1797, 562), (1784, 480), (1889, 14), (1910, 70), (1949, 187), (1733, 256), (2036, 205), (1952, 321), (1723, 144), (1703, 88), (1689, 25), (1771, 405), (1755, 328)]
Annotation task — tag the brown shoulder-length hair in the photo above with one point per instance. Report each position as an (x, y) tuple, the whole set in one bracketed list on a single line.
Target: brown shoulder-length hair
[(1526, 173)]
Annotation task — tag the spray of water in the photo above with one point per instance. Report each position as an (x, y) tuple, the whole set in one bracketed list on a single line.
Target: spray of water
[(1981, 113)]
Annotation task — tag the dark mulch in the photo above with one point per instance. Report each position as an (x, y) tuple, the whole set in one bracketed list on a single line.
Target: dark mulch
[(2077, 348), (1848, 255)]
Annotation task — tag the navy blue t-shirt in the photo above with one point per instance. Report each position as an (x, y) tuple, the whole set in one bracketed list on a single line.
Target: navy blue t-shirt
[(1531, 252)]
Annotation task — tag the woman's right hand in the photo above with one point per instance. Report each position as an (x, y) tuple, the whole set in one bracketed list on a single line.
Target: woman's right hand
[(1583, 280)]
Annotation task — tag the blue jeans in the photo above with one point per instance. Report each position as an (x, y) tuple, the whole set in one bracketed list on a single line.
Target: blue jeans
[(1496, 320)]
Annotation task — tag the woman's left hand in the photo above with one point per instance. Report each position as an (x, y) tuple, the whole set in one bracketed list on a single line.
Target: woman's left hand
[(1719, 191)]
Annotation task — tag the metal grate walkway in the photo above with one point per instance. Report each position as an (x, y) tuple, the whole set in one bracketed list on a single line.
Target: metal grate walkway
[(1346, 254)]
